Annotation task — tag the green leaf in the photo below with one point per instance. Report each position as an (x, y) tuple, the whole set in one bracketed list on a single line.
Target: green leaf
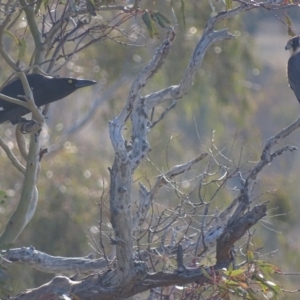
[(20, 42), (250, 256), (230, 268), (22, 47), (240, 292), (231, 283), (90, 6), (7, 32), (267, 268), (208, 258), (2, 197), (182, 9), (228, 4), (2, 194), (252, 295), (270, 283), (46, 3), (273, 286), (152, 31), (37, 6), (160, 19), (204, 272), (234, 273), (289, 23)]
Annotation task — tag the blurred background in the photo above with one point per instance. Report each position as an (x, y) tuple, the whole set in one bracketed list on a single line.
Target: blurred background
[(240, 97)]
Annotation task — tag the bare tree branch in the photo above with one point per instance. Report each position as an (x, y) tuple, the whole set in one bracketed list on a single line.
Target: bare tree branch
[(172, 225), (53, 264), (12, 157), (146, 197), (29, 196)]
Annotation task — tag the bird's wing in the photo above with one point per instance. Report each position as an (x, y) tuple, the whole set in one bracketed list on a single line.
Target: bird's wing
[(6, 104), (13, 115), (294, 74)]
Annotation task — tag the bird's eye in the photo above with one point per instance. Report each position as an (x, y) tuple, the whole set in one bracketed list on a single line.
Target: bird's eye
[(70, 81)]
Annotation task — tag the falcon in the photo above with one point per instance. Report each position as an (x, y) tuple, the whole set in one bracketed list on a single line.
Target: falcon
[(293, 66)]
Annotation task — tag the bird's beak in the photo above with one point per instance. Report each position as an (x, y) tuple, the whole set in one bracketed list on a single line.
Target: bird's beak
[(288, 46), (80, 83)]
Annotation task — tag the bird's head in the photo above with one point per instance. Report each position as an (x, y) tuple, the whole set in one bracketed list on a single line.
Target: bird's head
[(293, 45), (60, 87), (71, 84)]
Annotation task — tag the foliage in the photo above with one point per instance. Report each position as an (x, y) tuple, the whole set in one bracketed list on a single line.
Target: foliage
[(251, 281), (221, 115)]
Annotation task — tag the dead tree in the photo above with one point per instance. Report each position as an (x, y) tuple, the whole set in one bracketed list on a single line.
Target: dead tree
[(187, 232)]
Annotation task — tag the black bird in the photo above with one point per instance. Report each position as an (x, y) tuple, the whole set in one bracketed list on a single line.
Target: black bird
[(293, 66), (45, 89)]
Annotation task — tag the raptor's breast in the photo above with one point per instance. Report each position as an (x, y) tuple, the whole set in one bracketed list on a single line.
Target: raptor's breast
[(293, 70)]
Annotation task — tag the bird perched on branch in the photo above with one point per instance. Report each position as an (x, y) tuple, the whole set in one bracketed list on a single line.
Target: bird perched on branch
[(45, 89), (293, 66)]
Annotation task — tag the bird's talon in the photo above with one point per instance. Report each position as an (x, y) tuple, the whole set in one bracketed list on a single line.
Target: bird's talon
[(27, 125)]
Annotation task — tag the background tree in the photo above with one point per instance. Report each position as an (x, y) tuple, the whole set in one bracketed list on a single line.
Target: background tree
[(167, 220)]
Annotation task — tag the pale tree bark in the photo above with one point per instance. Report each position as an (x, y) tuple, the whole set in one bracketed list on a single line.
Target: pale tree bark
[(43, 44), (130, 276)]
